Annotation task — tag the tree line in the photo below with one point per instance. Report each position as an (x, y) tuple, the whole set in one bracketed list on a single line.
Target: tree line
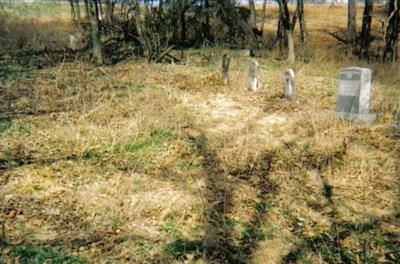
[(152, 28)]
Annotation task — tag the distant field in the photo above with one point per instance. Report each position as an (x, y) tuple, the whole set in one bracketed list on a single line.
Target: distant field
[(37, 10)]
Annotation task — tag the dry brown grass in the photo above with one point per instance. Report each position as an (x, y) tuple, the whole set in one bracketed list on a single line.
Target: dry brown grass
[(151, 163)]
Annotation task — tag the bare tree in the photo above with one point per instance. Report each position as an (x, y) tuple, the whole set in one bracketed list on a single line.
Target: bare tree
[(206, 25), (86, 3), (263, 16), (253, 15), (138, 26), (109, 11), (392, 30), (365, 37), (76, 13), (94, 31), (153, 30), (285, 30), (351, 22), (299, 15), (253, 19)]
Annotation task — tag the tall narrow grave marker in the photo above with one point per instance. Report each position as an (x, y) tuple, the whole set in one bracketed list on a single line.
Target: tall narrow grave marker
[(253, 76), (289, 91), (225, 68)]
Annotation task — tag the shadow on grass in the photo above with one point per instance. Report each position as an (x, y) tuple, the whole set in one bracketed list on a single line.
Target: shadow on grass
[(218, 244), (333, 246), (33, 254)]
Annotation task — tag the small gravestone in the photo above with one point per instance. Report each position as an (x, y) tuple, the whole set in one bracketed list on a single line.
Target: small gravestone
[(77, 41), (225, 68), (354, 94), (71, 41), (289, 91), (253, 76)]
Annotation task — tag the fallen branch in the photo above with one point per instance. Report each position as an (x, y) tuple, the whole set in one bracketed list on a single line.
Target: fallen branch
[(164, 53)]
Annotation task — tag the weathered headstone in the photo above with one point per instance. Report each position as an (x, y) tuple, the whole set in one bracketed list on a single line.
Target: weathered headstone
[(71, 42), (77, 41), (289, 91), (253, 76), (354, 94), (225, 68)]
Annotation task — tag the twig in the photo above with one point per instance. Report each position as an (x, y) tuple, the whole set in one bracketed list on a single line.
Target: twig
[(364, 251), (3, 239), (387, 221), (164, 53)]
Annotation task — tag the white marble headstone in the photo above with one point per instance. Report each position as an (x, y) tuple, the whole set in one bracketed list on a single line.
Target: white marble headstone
[(289, 85), (354, 94), (253, 75)]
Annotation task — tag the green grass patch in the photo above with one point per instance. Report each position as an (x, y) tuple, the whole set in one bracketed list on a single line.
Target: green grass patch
[(9, 73), (139, 149), (21, 126), (170, 225), (364, 236), (137, 182), (261, 207), (154, 141), (231, 222), (287, 213), (254, 234), (195, 143), (180, 247), (5, 125), (144, 250), (30, 254), (131, 87)]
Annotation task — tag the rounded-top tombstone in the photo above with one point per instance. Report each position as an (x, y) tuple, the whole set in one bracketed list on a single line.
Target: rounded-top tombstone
[(289, 91)]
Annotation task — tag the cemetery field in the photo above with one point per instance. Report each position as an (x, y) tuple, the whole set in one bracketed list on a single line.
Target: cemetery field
[(157, 163)]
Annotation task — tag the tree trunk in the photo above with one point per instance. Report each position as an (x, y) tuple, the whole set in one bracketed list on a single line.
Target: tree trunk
[(138, 25), (253, 15), (160, 5), (207, 28), (94, 33), (351, 22), (100, 9), (291, 51), (86, 9), (392, 31), (76, 13), (299, 15), (183, 25), (302, 20), (263, 16), (286, 25), (108, 13), (281, 37), (182, 20), (366, 28)]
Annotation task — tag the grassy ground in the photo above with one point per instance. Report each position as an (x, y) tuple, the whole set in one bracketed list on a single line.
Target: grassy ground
[(153, 163)]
